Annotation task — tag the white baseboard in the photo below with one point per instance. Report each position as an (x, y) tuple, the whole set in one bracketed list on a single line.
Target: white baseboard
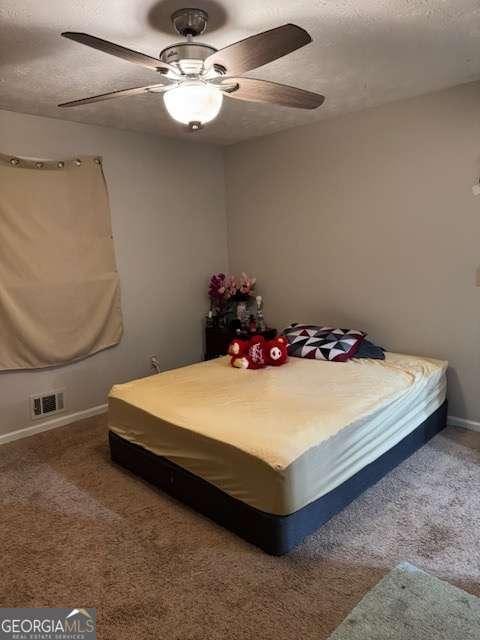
[(453, 421), (54, 423)]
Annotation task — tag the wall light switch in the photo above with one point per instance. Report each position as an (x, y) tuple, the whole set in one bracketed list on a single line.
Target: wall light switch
[(476, 189)]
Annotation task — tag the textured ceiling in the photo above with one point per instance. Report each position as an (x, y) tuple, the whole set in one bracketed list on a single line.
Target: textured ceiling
[(364, 53)]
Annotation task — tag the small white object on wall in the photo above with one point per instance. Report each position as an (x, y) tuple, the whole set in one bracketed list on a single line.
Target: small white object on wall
[(476, 189)]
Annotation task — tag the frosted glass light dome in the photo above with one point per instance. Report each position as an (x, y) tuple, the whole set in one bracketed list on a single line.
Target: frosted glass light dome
[(193, 102)]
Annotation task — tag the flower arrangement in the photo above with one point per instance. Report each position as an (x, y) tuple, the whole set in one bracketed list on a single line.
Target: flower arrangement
[(231, 301), (224, 287)]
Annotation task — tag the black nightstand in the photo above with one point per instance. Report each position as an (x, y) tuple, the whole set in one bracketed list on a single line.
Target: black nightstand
[(217, 340)]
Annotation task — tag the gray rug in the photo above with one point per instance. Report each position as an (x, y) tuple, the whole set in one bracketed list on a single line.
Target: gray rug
[(409, 604)]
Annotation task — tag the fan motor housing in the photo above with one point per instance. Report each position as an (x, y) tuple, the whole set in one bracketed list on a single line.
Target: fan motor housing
[(186, 51), (194, 52)]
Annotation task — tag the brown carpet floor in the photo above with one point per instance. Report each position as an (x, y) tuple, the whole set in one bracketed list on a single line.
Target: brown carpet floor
[(77, 531)]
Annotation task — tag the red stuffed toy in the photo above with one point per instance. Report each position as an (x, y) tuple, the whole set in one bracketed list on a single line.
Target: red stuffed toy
[(276, 351), (256, 353), (248, 354), (238, 347)]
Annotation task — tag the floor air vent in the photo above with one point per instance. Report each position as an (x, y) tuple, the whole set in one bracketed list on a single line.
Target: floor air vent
[(47, 404)]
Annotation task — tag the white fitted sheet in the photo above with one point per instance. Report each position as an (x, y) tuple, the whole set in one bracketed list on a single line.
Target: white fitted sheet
[(281, 437)]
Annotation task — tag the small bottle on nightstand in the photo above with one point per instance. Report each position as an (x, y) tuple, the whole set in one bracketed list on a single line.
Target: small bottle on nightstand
[(260, 319)]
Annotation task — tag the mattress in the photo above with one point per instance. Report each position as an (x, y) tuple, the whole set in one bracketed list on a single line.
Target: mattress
[(281, 437)]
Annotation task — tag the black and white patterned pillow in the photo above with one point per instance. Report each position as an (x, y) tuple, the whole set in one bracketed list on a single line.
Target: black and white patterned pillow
[(322, 343)]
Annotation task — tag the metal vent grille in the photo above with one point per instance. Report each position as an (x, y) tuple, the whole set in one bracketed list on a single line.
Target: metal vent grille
[(47, 404)]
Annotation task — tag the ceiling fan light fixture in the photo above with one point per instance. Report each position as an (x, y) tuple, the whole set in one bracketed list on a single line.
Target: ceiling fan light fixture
[(195, 75), (193, 101)]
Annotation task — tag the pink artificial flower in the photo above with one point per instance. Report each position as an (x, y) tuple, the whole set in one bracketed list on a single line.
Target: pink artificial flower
[(230, 286), (223, 286), (216, 286), (246, 284)]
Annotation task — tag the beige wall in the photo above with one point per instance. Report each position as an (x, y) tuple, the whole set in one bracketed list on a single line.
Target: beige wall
[(369, 221), (168, 216)]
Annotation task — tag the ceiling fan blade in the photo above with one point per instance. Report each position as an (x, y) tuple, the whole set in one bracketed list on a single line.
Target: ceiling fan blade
[(117, 50), (255, 51), (114, 94), (272, 92)]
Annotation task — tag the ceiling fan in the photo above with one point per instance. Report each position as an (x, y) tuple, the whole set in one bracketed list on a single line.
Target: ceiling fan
[(194, 76)]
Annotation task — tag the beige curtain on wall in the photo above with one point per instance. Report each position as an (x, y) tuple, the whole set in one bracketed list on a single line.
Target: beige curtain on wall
[(59, 287)]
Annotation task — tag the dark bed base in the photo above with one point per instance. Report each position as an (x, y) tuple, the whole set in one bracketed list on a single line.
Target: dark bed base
[(274, 534)]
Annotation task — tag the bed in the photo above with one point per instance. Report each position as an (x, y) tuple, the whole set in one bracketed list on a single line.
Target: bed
[(273, 454)]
